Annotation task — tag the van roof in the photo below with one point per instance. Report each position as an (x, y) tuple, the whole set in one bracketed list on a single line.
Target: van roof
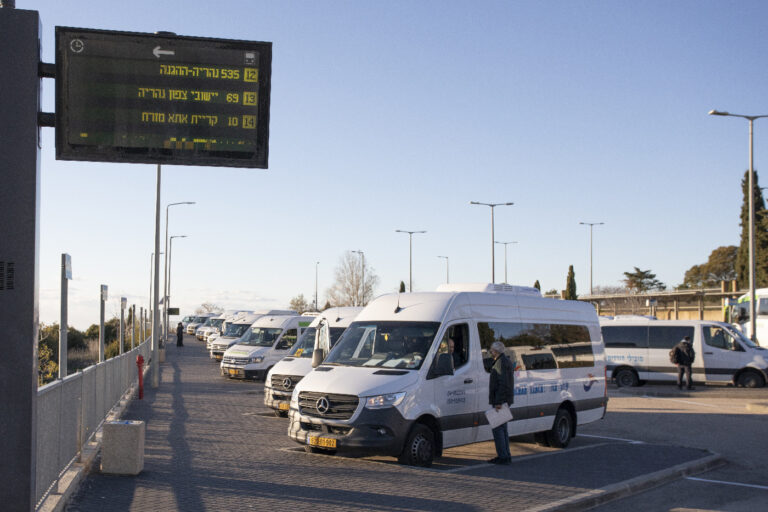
[(274, 320), (501, 305), (337, 317)]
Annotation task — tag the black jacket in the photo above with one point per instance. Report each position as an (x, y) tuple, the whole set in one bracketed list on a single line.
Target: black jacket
[(502, 384), (684, 354)]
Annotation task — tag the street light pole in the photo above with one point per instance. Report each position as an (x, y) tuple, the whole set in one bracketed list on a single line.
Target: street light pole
[(447, 276), (505, 244), (410, 255), (168, 291), (316, 306), (493, 235), (362, 266), (591, 225), (751, 185), (166, 263)]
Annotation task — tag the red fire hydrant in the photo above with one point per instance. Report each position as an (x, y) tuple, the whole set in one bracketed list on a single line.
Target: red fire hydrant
[(140, 364)]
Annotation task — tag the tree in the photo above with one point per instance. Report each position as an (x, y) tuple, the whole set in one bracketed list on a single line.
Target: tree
[(537, 285), (347, 289), (209, 307), (721, 266), (761, 237), (402, 287), (642, 281), (570, 285), (553, 291), (327, 305), (300, 304)]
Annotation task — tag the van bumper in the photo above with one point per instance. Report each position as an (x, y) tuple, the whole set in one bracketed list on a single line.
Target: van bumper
[(276, 399), (374, 432), (240, 372)]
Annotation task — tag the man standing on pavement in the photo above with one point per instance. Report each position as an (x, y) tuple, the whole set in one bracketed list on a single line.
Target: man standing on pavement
[(683, 356), (501, 394)]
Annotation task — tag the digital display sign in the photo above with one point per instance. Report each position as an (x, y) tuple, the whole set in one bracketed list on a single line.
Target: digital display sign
[(160, 98)]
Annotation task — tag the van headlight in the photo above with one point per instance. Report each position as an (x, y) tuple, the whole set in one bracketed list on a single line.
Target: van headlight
[(295, 399), (257, 359), (384, 401)]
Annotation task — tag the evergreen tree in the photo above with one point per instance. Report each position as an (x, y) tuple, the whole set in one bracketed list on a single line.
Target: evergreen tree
[(641, 281), (537, 285), (570, 285), (761, 237), (402, 286)]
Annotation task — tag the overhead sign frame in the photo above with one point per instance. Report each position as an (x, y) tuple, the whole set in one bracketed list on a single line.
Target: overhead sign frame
[(161, 98)]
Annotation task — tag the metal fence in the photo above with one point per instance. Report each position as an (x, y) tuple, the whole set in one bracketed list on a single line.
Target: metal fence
[(71, 410)]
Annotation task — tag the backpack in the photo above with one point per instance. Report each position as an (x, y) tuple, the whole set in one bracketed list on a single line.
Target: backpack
[(673, 356)]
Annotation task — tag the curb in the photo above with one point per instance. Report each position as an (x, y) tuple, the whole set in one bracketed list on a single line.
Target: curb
[(594, 498)]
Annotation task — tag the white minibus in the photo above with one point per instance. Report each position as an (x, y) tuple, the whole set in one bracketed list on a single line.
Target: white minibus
[(268, 340), (197, 321), (637, 350), (237, 328), (390, 386), (321, 334)]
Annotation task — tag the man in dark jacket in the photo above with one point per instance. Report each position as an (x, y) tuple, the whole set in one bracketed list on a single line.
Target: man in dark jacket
[(501, 391), (684, 355)]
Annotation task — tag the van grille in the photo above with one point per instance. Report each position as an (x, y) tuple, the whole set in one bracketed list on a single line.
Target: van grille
[(279, 382), (340, 407), (235, 360)]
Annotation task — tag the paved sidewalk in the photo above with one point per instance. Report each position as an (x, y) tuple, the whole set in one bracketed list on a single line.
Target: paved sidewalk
[(212, 445)]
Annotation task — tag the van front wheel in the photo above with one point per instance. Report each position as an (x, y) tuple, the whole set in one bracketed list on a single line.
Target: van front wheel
[(750, 379), (419, 449), (560, 434)]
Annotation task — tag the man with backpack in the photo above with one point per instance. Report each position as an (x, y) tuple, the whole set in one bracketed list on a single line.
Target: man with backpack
[(683, 356)]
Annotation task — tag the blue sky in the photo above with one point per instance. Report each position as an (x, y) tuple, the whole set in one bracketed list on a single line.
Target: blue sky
[(394, 115)]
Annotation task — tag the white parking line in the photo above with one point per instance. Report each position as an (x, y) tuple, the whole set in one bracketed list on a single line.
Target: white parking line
[(763, 487), (691, 402), (630, 441)]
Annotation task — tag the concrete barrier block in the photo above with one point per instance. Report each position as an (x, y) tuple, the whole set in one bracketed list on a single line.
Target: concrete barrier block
[(122, 447), (161, 354)]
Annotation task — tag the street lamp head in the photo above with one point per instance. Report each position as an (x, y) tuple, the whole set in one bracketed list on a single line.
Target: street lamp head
[(718, 113)]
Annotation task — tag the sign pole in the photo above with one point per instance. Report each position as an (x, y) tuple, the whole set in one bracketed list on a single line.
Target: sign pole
[(102, 300), (66, 275), (156, 286), (19, 252)]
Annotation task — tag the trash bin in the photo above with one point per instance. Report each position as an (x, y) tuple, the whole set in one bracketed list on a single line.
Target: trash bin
[(122, 447)]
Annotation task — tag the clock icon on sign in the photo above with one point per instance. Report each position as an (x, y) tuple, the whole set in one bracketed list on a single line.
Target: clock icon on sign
[(76, 45)]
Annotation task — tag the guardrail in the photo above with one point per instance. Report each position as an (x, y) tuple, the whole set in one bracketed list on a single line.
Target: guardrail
[(71, 410)]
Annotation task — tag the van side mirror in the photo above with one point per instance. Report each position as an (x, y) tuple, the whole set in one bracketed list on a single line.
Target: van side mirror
[(318, 355), (443, 365)]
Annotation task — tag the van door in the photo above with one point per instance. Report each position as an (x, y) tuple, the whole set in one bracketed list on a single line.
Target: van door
[(456, 395), (721, 354)]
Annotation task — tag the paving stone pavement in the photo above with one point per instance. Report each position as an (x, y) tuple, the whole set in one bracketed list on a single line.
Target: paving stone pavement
[(211, 444)]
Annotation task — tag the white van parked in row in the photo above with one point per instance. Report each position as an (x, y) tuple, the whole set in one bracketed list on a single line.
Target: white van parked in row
[(390, 386), (197, 321), (268, 340), (321, 334), (237, 328), (637, 350)]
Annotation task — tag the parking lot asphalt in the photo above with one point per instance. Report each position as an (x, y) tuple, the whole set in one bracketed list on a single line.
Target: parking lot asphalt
[(211, 444)]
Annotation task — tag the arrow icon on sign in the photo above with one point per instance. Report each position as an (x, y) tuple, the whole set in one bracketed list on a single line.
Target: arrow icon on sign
[(157, 52)]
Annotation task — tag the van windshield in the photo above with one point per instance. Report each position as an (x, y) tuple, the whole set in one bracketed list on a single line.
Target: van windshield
[(200, 319), (261, 336), (384, 344), (306, 344), (740, 336), (235, 330), (216, 322)]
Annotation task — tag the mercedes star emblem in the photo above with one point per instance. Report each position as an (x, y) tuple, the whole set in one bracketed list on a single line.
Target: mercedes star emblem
[(287, 383), (322, 405)]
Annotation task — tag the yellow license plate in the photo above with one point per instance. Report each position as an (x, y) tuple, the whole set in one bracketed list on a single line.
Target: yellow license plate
[(283, 406), (321, 442), (232, 371)]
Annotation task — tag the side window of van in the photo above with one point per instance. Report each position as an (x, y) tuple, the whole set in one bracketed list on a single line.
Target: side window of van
[(287, 341), (667, 336), (625, 336), (538, 346), (717, 337), (456, 343)]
